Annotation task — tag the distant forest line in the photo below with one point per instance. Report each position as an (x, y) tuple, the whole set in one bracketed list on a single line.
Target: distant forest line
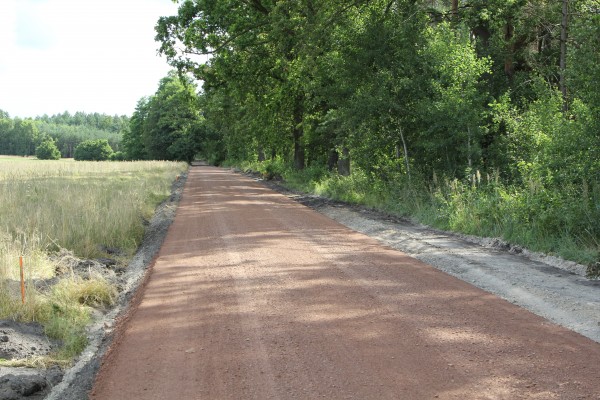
[(21, 137)]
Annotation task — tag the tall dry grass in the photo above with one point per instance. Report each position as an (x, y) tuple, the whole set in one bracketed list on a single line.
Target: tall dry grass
[(85, 207), (80, 206)]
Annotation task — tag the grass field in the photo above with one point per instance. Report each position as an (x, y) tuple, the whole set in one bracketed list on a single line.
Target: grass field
[(84, 207)]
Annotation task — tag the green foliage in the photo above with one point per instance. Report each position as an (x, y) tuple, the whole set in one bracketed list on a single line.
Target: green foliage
[(558, 221), (117, 156), (271, 169), (167, 125), (551, 220), (101, 122), (584, 56), (93, 150), (403, 91), (452, 144), (47, 150), (22, 137), (540, 143), (211, 148), (133, 143)]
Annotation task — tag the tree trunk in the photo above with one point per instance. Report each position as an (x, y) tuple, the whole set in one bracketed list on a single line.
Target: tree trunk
[(332, 160), (454, 10), (298, 149), (405, 153), (564, 25), (469, 161), (344, 162), (261, 153), (298, 133), (509, 68)]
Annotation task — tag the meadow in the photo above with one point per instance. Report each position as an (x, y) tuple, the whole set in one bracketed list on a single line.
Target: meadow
[(83, 207)]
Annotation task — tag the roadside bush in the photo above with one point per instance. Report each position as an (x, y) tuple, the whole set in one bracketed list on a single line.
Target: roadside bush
[(93, 150), (117, 156), (47, 150), (270, 169)]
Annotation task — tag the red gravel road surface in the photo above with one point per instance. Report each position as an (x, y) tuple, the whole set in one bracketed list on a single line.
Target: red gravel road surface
[(254, 296)]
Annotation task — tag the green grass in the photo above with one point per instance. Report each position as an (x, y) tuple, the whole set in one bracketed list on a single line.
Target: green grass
[(84, 207)]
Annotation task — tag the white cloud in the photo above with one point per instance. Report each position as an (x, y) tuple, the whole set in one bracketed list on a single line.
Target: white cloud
[(73, 55)]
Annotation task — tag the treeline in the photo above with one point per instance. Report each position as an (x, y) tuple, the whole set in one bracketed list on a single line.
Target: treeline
[(493, 96), (167, 125), (22, 136), (433, 86)]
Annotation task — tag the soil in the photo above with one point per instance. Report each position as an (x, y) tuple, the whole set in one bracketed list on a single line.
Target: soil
[(262, 356), (18, 341)]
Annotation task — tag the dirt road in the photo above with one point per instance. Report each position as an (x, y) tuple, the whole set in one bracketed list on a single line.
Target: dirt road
[(254, 296)]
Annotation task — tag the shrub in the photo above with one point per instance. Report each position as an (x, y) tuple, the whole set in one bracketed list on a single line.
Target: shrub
[(93, 150), (47, 150), (117, 156)]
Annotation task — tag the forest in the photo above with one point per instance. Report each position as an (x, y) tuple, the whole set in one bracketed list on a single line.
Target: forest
[(474, 115), (21, 137)]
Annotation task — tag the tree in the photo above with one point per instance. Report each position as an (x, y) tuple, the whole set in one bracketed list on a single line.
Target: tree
[(25, 137), (564, 26), (167, 125), (260, 59), (170, 125), (47, 150), (6, 135), (133, 137), (395, 86), (93, 150)]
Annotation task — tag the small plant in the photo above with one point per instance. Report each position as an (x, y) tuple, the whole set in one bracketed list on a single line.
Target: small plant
[(94, 292), (63, 312)]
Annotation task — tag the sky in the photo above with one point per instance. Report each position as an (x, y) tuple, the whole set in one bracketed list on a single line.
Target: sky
[(79, 55)]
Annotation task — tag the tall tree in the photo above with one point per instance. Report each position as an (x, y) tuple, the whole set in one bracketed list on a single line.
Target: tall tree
[(258, 50), (133, 137), (564, 26), (167, 125), (25, 137)]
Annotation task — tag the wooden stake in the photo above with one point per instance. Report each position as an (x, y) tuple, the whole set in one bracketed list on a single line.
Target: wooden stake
[(22, 280)]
